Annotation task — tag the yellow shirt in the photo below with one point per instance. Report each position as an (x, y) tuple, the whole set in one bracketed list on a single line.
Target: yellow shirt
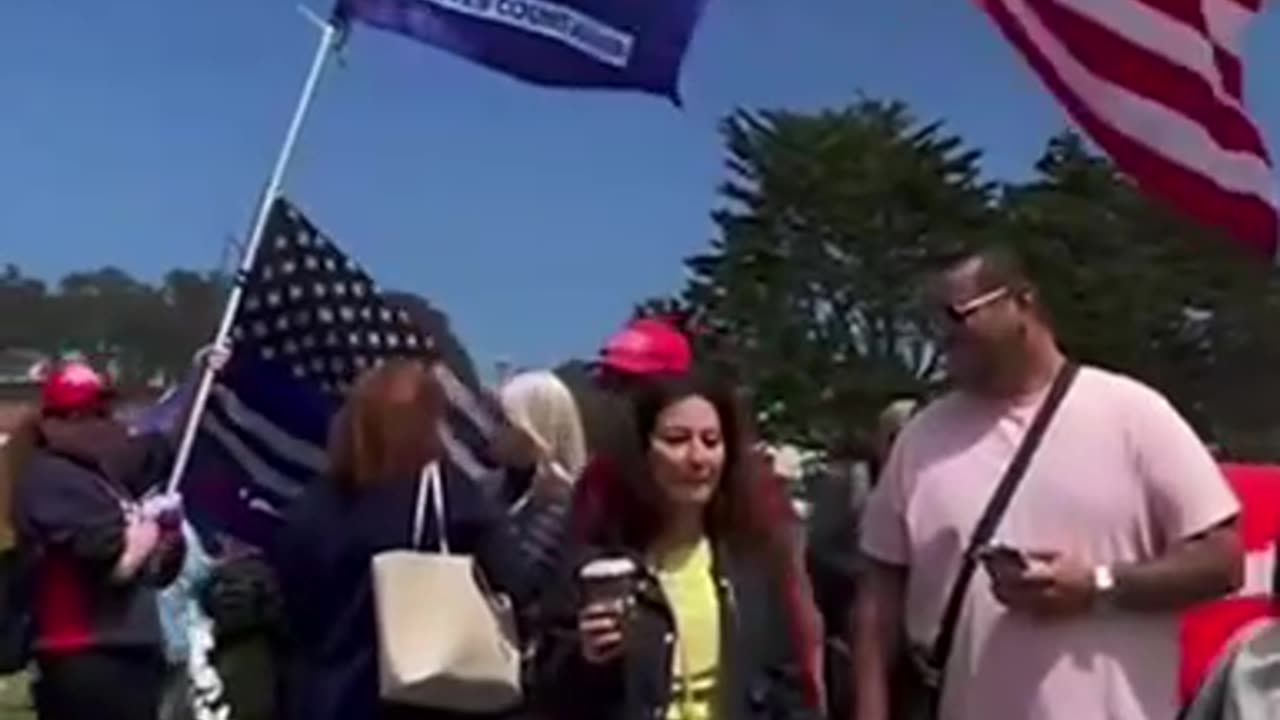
[(689, 584)]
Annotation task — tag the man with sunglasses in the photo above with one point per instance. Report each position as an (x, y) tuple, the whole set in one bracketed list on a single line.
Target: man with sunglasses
[(1121, 519)]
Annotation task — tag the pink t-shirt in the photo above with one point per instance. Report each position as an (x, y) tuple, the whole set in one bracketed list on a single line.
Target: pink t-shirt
[(1118, 478)]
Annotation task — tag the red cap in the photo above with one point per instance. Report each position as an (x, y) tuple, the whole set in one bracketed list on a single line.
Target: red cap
[(73, 387), (648, 346)]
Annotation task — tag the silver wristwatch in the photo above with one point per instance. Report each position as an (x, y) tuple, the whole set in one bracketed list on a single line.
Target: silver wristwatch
[(1104, 584)]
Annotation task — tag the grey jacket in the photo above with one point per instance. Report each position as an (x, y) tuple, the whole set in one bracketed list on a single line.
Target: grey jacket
[(1244, 683)]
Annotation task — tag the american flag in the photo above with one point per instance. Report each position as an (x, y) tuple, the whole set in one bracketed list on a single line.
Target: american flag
[(310, 321), (1158, 84)]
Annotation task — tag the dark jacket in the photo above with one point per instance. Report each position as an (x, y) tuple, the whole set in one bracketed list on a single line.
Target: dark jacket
[(323, 561), (539, 521), (242, 598), (836, 500), (70, 517), (760, 676)]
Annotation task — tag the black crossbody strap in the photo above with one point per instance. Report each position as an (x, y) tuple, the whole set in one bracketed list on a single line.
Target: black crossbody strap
[(994, 512)]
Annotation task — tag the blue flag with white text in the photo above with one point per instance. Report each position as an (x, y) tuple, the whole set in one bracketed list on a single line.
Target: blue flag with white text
[(619, 44)]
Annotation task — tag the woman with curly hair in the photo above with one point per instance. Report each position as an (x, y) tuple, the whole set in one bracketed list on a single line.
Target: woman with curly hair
[(675, 631)]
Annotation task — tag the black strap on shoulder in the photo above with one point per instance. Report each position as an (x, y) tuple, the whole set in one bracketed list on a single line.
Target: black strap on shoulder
[(994, 512)]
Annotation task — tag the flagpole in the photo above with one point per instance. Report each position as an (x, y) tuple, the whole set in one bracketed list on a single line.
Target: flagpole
[(328, 35)]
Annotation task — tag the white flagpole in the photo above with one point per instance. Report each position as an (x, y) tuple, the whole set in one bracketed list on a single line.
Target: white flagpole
[(328, 34)]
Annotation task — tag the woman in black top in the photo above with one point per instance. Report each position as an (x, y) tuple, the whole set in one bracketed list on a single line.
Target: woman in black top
[(698, 630), (381, 440)]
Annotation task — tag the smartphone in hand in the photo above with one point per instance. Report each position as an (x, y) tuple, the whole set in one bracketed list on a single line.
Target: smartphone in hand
[(1003, 561)]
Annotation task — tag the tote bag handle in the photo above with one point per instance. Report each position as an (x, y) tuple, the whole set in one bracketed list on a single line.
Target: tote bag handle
[(430, 483)]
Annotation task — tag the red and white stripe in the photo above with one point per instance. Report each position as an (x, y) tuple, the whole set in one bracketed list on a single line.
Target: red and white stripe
[(1259, 569), (1208, 628), (1258, 488), (1158, 85)]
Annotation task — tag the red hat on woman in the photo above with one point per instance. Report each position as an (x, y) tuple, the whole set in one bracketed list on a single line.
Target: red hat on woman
[(648, 346), (74, 387)]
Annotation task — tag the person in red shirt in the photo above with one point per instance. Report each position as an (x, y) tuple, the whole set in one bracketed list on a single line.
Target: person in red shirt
[(98, 554)]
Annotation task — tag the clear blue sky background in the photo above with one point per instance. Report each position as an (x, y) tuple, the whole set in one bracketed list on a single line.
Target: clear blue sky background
[(138, 132)]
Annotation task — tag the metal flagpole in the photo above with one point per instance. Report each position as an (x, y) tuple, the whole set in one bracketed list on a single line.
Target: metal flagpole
[(328, 34)]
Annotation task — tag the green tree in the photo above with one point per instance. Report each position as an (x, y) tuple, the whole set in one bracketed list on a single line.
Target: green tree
[(101, 312), (143, 329), (808, 291), (1136, 287), (190, 306), (23, 305)]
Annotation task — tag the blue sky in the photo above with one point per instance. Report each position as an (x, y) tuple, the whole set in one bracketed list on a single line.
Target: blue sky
[(137, 133)]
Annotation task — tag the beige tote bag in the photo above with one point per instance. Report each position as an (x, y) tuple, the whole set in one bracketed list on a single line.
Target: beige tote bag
[(445, 641)]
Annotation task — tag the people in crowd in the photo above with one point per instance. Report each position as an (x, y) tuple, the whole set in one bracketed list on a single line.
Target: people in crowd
[(837, 496), (784, 542), (645, 349), (381, 440), (543, 451), (1122, 520), (97, 553), (669, 614)]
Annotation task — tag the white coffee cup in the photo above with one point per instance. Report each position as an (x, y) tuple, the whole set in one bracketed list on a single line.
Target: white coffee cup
[(608, 579)]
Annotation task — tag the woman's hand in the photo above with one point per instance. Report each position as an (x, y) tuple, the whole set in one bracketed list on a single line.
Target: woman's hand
[(141, 538), (214, 357), (601, 630)]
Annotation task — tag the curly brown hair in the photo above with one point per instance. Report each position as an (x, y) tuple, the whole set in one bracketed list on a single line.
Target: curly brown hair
[(734, 515)]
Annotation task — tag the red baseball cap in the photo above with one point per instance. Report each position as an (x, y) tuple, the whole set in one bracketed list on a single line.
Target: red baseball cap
[(648, 346), (74, 387)]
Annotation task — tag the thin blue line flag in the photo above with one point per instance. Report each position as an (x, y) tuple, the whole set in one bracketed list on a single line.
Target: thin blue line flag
[(310, 323), (617, 44)]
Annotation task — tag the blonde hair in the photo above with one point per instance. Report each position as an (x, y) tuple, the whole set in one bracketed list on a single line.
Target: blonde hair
[(891, 422), (541, 405)]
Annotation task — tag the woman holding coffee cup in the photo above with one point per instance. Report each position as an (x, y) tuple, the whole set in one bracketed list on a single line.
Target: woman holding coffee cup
[(677, 616)]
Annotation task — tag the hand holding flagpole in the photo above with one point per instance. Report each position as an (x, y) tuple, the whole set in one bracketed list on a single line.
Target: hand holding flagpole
[(328, 36)]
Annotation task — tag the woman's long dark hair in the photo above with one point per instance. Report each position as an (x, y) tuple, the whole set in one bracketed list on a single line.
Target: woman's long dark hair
[(732, 515)]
